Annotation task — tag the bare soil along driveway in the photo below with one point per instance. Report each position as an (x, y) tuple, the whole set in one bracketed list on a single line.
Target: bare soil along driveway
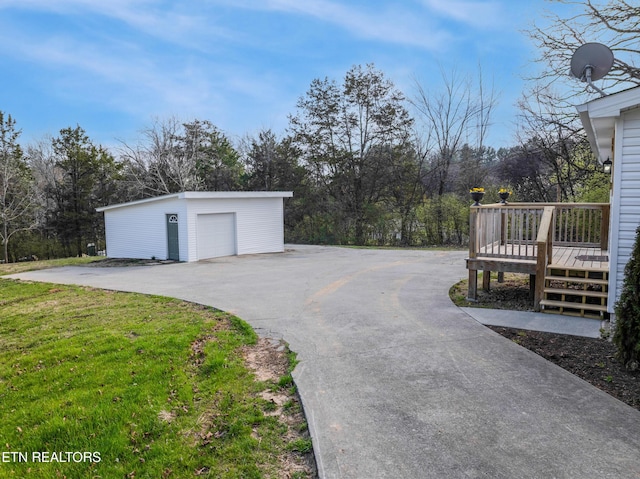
[(397, 381)]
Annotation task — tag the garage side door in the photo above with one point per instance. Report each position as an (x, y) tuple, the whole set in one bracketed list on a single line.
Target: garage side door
[(216, 235)]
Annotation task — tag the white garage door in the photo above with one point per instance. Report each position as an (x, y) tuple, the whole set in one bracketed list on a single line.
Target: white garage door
[(216, 235)]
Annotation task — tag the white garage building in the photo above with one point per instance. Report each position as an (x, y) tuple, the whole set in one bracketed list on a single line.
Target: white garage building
[(195, 225)]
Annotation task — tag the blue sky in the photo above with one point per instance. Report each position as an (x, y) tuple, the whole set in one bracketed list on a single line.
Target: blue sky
[(114, 66)]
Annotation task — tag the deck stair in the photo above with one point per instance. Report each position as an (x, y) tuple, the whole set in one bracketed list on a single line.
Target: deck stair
[(575, 291)]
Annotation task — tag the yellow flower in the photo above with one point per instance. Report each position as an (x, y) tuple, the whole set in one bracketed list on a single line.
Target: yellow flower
[(504, 190), (476, 190)]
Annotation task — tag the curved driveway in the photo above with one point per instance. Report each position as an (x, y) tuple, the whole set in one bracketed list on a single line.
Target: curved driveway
[(396, 381)]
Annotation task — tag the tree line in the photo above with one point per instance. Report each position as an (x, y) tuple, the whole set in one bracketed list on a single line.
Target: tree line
[(367, 164), (363, 169)]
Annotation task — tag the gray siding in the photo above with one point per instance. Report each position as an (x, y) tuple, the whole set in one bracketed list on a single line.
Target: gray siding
[(626, 204)]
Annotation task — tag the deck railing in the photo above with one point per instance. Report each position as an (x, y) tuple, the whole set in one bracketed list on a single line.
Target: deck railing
[(528, 231), (585, 225), (504, 231), (511, 231)]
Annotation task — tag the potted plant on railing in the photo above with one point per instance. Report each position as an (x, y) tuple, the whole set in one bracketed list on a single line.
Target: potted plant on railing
[(503, 193), (476, 195)]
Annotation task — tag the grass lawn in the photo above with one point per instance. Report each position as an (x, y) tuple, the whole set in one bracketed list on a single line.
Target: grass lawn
[(101, 384), (15, 268)]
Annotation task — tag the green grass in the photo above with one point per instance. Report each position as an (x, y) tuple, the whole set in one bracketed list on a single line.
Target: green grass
[(14, 268), (403, 248), (155, 387), (301, 445)]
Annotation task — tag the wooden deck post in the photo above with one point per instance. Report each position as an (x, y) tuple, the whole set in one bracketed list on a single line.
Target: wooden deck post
[(532, 287), (538, 292), (472, 287), (604, 227), (486, 280), (503, 227), (473, 232)]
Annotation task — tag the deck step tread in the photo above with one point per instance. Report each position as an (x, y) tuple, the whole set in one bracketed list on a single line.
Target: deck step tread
[(575, 273), (577, 292), (570, 305), (576, 279), (581, 314), (578, 268)]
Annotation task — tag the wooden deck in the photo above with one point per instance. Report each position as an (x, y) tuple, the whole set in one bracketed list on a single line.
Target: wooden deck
[(544, 240)]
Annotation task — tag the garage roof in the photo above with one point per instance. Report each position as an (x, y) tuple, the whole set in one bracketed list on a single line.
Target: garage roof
[(204, 195)]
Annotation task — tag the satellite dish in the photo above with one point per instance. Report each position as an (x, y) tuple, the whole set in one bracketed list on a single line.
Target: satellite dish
[(591, 62)]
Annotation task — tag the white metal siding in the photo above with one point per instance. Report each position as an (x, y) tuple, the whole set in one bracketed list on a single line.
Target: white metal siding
[(140, 231), (261, 227), (216, 235), (625, 207), (259, 223)]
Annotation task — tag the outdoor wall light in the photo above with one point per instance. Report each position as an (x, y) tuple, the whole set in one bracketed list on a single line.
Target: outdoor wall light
[(606, 166)]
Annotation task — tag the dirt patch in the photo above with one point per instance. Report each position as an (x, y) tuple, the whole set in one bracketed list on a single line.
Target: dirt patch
[(269, 361)]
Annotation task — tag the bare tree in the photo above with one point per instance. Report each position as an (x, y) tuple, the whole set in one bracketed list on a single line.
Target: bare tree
[(156, 166), (47, 177), (453, 116), (615, 23), (456, 115), (173, 156), (553, 160), (17, 193), (551, 134)]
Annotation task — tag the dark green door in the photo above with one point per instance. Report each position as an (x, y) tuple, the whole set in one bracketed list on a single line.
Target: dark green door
[(173, 247)]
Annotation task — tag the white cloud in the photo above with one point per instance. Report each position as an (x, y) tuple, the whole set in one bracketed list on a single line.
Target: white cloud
[(129, 60), (391, 23), (144, 84), (181, 23), (483, 14)]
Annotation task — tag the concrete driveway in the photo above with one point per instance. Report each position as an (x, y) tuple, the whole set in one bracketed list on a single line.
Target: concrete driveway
[(396, 381)]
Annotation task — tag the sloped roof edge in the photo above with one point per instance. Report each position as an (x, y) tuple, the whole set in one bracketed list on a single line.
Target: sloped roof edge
[(599, 116), (203, 195)]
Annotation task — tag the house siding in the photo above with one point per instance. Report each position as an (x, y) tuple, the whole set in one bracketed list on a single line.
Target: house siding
[(140, 231), (626, 203)]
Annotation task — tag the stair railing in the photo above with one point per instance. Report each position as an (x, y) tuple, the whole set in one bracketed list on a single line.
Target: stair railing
[(544, 243)]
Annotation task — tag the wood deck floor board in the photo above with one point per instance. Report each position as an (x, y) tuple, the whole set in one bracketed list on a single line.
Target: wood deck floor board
[(563, 256)]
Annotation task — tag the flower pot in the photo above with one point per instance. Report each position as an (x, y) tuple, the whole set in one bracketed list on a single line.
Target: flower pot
[(477, 196), (503, 197)]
